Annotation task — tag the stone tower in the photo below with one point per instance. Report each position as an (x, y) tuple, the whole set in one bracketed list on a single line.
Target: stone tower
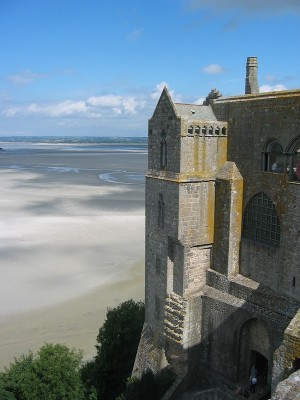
[(251, 86), (187, 149), (222, 240)]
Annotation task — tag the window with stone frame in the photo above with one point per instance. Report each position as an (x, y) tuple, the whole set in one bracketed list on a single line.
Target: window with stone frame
[(293, 159), (163, 151), (157, 308), (260, 221), (161, 212), (158, 266), (272, 157), (190, 130)]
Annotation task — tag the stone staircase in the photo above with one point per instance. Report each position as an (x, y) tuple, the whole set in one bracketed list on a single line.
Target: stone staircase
[(175, 311)]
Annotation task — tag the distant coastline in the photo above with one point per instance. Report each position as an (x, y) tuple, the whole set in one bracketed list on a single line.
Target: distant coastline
[(74, 139)]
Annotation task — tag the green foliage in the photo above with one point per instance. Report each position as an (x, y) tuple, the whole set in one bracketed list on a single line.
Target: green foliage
[(53, 374), (133, 390), (118, 341), (149, 387)]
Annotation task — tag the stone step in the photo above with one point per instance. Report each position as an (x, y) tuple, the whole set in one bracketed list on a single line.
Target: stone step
[(171, 319), (173, 328), (176, 313), (173, 336), (175, 299), (175, 306)]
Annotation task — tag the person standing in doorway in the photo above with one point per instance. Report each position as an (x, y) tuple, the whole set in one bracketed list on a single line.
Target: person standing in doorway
[(253, 384)]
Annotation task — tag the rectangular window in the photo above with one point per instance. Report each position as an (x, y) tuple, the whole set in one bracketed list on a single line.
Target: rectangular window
[(157, 266)]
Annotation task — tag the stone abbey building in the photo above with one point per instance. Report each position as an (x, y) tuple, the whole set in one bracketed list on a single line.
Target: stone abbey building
[(223, 240)]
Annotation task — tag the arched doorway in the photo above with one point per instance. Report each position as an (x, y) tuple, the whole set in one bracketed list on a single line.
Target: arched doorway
[(261, 364), (254, 349)]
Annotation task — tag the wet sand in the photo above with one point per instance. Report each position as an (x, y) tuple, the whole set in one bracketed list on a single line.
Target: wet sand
[(75, 322), (71, 245)]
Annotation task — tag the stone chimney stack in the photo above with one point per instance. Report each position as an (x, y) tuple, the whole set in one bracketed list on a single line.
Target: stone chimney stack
[(251, 86)]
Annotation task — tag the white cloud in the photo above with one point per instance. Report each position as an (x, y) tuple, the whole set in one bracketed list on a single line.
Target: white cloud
[(252, 6), (130, 105), (200, 100), (93, 107), (274, 88), (118, 104), (275, 80), (155, 95), (135, 35), (24, 78), (270, 78), (5, 96), (65, 108), (213, 69), (105, 101)]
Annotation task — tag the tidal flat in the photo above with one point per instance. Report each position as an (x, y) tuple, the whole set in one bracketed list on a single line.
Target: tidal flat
[(71, 241)]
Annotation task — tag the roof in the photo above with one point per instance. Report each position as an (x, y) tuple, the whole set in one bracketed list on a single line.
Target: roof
[(194, 111)]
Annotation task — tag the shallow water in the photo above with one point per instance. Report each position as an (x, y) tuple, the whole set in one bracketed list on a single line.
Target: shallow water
[(65, 220)]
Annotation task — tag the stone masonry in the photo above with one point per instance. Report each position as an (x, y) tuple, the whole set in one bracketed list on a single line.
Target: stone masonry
[(223, 240)]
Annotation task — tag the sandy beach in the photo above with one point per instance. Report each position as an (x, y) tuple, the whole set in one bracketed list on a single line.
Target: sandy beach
[(71, 244)]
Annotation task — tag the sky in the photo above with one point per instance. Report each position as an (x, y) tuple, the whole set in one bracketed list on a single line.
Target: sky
[(97, 67)]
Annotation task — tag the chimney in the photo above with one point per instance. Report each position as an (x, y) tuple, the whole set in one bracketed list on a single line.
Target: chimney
[(251, 86)]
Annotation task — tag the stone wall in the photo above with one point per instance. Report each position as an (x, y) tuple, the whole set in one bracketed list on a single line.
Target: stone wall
[(202, 155), (289, 389), (287, 356), (228, 220), (196, 213), (208, 308), (252, 121), (164, 122)]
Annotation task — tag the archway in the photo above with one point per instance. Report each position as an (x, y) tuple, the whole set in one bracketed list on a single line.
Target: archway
[(273, 159), (254, 349), (261, 364)]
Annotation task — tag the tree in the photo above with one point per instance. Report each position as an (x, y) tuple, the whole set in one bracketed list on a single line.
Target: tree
[(53, 374), (118, 341)]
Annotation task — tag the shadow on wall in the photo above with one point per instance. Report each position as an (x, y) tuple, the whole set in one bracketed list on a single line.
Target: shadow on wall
[(242, 326)]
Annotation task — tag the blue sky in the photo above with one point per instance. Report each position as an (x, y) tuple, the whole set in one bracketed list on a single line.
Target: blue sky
[(97, 67)]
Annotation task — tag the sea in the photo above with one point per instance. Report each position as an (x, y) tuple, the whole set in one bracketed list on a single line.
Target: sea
[(75, 154), (48, 183), (96, 140), (72, 215)]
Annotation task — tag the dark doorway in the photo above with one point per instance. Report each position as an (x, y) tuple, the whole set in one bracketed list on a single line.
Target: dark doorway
[(261, 364), (254, 336), (296, 364)]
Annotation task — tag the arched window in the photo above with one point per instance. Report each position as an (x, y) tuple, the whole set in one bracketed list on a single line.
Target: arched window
[(197, 130), (204, 130), (224, 130), (273, 157), (210, 130), (217, 130), (190, 130), (260, 221), (163, 151), (293, 159), (161, 212)]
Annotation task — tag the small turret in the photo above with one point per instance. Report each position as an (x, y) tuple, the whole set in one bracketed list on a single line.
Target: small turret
[(251, 86), (212, 96)]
